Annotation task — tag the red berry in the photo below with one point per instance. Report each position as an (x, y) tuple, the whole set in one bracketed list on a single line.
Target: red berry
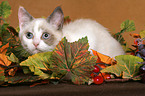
[(97, 69), (107, 76), (98, 80), (92, 75)]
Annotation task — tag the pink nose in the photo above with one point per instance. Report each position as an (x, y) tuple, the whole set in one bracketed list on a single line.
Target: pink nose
[(36, 44)]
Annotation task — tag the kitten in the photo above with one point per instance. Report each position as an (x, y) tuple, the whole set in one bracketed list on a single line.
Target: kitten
[(42, 35)]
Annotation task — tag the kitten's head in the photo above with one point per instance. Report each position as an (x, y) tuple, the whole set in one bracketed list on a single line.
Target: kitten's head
[(39, 34)]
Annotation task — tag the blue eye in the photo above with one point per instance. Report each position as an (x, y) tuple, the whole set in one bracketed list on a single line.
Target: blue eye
[(29, 35), (45, 35)]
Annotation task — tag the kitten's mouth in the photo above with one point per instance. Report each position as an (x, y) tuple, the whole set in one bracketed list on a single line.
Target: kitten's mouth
[(37, 51)]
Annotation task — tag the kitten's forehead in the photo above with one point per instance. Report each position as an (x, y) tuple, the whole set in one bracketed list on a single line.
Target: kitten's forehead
[(40, 24), (37, 26)]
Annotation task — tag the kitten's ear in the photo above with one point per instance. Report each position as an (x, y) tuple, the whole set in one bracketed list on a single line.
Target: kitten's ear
[(24, 17), (56, 18)]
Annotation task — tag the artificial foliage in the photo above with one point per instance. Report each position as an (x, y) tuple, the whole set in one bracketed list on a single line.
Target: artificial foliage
[(127, 66), (69, 60), (73, 60)]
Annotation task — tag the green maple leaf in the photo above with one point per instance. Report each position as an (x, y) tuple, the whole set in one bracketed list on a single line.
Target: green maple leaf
[(38, 63), (73, 59), (127, 66), (5, 9)]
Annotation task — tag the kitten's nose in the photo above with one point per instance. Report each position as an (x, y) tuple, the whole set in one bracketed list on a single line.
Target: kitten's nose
[(36, 44)]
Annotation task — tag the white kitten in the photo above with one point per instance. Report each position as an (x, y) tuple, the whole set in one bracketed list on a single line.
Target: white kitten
[(42, 35)]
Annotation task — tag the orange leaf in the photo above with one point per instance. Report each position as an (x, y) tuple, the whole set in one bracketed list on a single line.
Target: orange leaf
[(134, 35), (103, 58), (3, 49), (102, 65), (12, 71), (4, 60)]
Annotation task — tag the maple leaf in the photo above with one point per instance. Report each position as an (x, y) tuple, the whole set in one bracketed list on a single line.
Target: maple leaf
[(38, 63), (73, 59), (127, 66)]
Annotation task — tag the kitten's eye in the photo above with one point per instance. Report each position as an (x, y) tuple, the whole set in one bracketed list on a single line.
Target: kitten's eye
[(29, 35), (45, 35)]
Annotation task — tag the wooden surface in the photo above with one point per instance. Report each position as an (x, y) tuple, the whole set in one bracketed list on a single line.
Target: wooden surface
[(65, 89)]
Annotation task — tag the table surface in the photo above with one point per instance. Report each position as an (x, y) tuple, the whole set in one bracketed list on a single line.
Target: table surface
[(65, 89)]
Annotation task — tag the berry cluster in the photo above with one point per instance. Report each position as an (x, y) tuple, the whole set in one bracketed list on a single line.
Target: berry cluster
[(98, 77), (140, 52)]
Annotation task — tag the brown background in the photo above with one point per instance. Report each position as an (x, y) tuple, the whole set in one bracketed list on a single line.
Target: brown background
[(110, 13)]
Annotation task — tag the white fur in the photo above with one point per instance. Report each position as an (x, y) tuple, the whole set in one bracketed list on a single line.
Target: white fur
[(98, 37)]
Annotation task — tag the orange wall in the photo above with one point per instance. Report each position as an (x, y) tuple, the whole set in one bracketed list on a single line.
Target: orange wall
[(110, 13)]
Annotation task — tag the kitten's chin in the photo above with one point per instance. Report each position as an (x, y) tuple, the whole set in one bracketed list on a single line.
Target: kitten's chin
[(37, 51)]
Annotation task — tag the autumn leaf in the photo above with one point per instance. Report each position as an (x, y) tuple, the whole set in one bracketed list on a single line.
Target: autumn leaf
[(134, 35), (3, 49), (6, 64), (13, 58), (4, 60), (12, 71), (103, 58), (127, 66), (38, 63), (73, 59)]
